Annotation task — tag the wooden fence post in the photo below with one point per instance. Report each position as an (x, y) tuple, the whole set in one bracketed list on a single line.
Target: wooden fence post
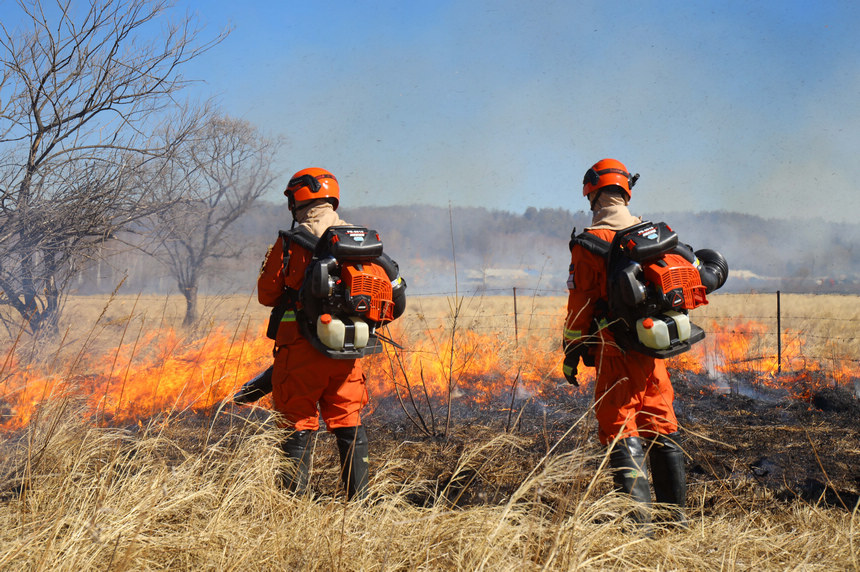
[(778, 335), (516, 327)]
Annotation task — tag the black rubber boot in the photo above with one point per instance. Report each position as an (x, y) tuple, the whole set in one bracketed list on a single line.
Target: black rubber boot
[(352, 446), (296, 448), (627, 460), (255, 389), (669, 476)]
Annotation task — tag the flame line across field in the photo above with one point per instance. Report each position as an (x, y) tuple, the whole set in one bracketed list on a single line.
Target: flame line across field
[(162, 372)]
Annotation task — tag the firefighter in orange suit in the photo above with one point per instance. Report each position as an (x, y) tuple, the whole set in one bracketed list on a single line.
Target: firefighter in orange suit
[(307, 384), (633, 394)]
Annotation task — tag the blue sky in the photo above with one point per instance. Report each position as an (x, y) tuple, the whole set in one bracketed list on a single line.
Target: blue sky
[(738, 106)]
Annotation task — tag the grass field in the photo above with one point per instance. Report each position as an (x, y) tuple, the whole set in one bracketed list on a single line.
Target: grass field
[(165, 499), (827, 324), (197, 490)]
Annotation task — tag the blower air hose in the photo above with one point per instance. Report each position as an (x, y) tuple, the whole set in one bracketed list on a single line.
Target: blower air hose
[(256, 388), (714, 270)]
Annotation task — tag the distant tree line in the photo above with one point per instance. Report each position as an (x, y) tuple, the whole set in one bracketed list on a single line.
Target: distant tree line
[(497, 250)]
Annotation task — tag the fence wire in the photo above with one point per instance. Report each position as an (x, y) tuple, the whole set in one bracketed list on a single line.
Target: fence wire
[(785, 332)]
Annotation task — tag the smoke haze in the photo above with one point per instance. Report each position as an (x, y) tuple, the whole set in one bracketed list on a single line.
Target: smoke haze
[(498, 250)]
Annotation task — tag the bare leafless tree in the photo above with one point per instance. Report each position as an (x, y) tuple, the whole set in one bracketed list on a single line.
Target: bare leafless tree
[(83, 88), (212, 180)]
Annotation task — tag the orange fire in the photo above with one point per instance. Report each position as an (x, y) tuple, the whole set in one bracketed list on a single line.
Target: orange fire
[(747, 351), (164, 373), (478, 367), (160, 373)]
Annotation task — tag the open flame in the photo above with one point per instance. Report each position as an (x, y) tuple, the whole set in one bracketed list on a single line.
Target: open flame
[(479, 368), (165, 373), (160, 373), (746, 351)]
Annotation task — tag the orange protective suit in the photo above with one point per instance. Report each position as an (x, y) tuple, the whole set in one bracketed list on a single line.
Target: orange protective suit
[(306, 383), (633, 394)]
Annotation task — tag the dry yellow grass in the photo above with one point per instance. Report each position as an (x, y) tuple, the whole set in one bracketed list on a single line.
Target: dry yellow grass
[(167, 498), (200, 493), (829, 323)]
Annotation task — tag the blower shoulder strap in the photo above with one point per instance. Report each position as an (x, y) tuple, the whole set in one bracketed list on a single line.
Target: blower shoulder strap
[(301, 236), (304, 238), (289, 296), (591, 243)]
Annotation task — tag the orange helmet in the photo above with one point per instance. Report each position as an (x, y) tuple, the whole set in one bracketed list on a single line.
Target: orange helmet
[(607, 172), (312, 183)]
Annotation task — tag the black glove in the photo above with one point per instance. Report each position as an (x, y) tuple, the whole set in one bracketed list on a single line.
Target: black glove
[(571, 362)]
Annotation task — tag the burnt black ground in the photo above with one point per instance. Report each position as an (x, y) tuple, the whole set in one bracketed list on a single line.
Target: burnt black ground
[(793, 448), (763, 443)]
